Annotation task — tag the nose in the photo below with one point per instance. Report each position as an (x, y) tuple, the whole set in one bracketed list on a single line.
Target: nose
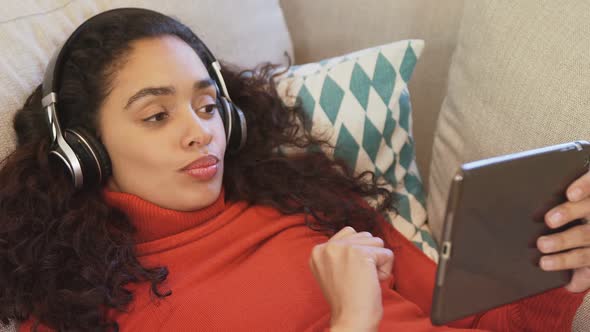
[(197, 132)]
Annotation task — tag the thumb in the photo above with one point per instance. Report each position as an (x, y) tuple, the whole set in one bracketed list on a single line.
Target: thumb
[(580, 280), (383, 262)]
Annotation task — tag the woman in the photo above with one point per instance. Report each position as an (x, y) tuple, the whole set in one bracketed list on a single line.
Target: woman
[(187, 229)]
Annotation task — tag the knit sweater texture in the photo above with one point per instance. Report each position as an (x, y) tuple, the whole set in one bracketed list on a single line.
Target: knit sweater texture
[(238, 267)]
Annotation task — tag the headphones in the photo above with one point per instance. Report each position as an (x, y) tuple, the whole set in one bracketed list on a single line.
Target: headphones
[(83, 155)]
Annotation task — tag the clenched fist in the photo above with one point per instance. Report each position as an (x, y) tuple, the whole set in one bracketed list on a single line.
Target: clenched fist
[(348, 268)]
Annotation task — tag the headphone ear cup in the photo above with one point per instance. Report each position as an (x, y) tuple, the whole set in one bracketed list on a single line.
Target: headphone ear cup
[(234, 123), (94, 160), (224, 110), (240, 129)]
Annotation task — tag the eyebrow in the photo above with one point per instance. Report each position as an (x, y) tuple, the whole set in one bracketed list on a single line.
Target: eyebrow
[(166, 90)]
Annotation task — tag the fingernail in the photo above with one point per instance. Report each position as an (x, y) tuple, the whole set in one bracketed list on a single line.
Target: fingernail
[(546, 244), (575, 195), (555, 218), (547, 263)]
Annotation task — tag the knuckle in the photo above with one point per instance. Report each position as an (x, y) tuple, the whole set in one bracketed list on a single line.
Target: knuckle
[(354, 252), (574, 259), (349, 229), (316, 252), (379, 241), (313, 258), (565, 210), (558, 240), (560, 261), (584, 256)]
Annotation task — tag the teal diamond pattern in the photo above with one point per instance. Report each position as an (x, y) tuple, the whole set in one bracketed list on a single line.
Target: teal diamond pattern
[(405, 154), (360, 85), (378, 173), (414, 187), (404, 110), (389, 127), (384, 78), (390, 174), (403, 206), (371, 140), (331, 98), (408, 63), (346, 148), (343, 94), (418, 244), (307, 102), (428, 238)]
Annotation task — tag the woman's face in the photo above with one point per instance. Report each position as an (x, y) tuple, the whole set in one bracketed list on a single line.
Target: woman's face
[(159, 117)]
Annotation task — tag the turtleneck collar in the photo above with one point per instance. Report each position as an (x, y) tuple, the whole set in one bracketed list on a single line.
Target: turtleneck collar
[(154, 222)]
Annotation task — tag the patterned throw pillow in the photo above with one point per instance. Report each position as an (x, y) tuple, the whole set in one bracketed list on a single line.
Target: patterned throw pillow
[(360, 101)]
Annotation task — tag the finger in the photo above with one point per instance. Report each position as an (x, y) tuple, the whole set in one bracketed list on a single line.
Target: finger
[(365, 241), (360, 235), (315, 253), (567, 212), (574, 237), (572, 259), (580, 280), (579, 189), (382, 258), (344, 232), (384, 263)]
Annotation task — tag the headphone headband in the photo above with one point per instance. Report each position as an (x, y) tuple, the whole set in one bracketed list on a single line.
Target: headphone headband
[(52, 78)]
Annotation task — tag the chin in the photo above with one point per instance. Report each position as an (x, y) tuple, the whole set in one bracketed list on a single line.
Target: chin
[(199, 198)]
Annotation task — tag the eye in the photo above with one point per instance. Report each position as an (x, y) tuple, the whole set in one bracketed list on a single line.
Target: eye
[(209, 109), (158, 117)]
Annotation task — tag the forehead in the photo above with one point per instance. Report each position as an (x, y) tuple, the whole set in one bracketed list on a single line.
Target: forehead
[(160, 60)]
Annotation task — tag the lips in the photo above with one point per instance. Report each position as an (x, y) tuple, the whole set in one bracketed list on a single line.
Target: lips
[(202, 162), (202, 169)]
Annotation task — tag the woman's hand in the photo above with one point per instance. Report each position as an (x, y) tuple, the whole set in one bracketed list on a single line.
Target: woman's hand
[(576, 238), (348, 268)]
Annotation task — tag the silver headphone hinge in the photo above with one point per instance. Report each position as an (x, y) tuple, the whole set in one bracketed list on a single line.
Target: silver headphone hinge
[(217, 68)]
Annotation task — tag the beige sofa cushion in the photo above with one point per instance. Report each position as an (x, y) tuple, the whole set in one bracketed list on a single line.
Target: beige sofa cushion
[(519, 79), (326, 28), (244, 34)]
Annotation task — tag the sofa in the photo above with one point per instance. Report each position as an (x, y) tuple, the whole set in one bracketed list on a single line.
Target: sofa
[(495, 76)]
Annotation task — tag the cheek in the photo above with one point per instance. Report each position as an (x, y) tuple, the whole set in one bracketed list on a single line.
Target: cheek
[(130, 150), (133, 156)]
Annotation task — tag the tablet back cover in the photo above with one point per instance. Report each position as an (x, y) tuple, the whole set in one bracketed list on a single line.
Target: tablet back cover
[(494, 216)]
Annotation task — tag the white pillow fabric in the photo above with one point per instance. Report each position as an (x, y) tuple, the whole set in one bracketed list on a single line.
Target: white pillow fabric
[(244, 33)]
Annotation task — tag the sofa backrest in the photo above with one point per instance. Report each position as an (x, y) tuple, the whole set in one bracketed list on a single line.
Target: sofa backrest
[(519, 79)]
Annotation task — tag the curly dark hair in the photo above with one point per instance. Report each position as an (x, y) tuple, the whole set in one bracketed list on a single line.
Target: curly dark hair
[(65, 255)]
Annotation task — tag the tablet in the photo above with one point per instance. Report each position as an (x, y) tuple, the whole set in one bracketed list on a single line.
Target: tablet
[(495, 213)]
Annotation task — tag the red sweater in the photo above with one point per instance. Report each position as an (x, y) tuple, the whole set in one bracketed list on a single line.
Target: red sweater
[(235, 267)]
